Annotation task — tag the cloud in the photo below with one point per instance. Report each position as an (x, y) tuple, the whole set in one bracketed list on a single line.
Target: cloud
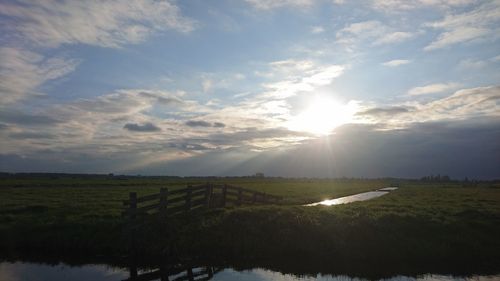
[(377, 111), (455, 36), (393, 63), (317, 29), (146, 127), (480, 23), (31, 135), (200, 123), (393, 37), (52, 23), (432, 89), (464, 104), (22, 72), (254, 137), (273, 4), (374, 31), (193, 123), (162, 98), (391, 6), (291, 66), (454, 148), (28, 119), (472, 64), (301, 76)]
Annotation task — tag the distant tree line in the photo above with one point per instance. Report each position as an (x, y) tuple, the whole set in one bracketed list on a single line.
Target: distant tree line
[(438, 178)]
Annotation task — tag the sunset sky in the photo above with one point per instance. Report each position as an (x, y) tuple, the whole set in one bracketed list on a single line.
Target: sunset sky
[(324, 88)]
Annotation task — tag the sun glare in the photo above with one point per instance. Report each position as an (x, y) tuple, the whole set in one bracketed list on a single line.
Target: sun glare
[(322, 116)]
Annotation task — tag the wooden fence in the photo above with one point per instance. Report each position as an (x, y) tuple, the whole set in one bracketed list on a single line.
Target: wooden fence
[(169, 203), (175, 273)]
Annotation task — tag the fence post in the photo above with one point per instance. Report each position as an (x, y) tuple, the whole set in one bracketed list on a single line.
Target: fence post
[(254, 197), (210, 272), (163, 272), (163, 202), (208, 194), (240, 196), (132, 270), (188, 199), (132, 211), (224, 194), (190, 275)]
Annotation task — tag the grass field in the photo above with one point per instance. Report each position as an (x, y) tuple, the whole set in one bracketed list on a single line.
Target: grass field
[(71, 199), (440, 227)]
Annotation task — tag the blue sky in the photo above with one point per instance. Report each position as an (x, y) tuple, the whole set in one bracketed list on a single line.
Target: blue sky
[(234, 87)]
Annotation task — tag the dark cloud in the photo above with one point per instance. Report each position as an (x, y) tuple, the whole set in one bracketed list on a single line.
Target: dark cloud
[(377, 111), (31, 135), (192, 123), (200, 123), (250, 134), (146, 127), (3, 126), (458, 149), (21, 118), (162, 99), (219, 125)]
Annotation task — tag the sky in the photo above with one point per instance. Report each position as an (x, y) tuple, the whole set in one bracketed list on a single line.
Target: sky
[(295, 88)]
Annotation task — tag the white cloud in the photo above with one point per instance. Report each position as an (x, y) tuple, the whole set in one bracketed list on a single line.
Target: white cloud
[(272, 4), (480, 23), (22, 72), (407, 5), (303, 81), (462, 105), (113, 23), (291, 66), (393, 63), (471, 64), (206, 85), (455, 36), (432, 89), (394, 37), (374, 31), (317, 29)]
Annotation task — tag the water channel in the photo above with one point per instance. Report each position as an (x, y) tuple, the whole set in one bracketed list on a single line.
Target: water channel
[(356, 197)]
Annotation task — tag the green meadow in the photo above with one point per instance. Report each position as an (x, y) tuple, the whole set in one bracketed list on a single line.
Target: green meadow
[(421, 227)]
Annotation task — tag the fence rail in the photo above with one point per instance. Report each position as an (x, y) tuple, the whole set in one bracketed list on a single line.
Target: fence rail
[(168, 203), (176, 273)]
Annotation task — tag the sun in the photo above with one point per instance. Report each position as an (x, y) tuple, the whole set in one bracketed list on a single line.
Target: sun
[(321, 116)]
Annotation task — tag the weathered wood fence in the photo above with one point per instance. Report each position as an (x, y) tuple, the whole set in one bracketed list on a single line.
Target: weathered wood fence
[(175, 273), (177, 201)]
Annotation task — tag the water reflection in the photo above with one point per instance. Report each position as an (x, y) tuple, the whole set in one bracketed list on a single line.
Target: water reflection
[(41, 272), (353, 198), (20, 271), (174, 272)]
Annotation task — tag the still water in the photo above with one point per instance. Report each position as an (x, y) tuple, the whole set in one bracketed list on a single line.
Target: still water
[(19, 271), (357, 197)]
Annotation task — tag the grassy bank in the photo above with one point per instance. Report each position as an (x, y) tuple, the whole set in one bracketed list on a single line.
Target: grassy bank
[(416, 229)]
